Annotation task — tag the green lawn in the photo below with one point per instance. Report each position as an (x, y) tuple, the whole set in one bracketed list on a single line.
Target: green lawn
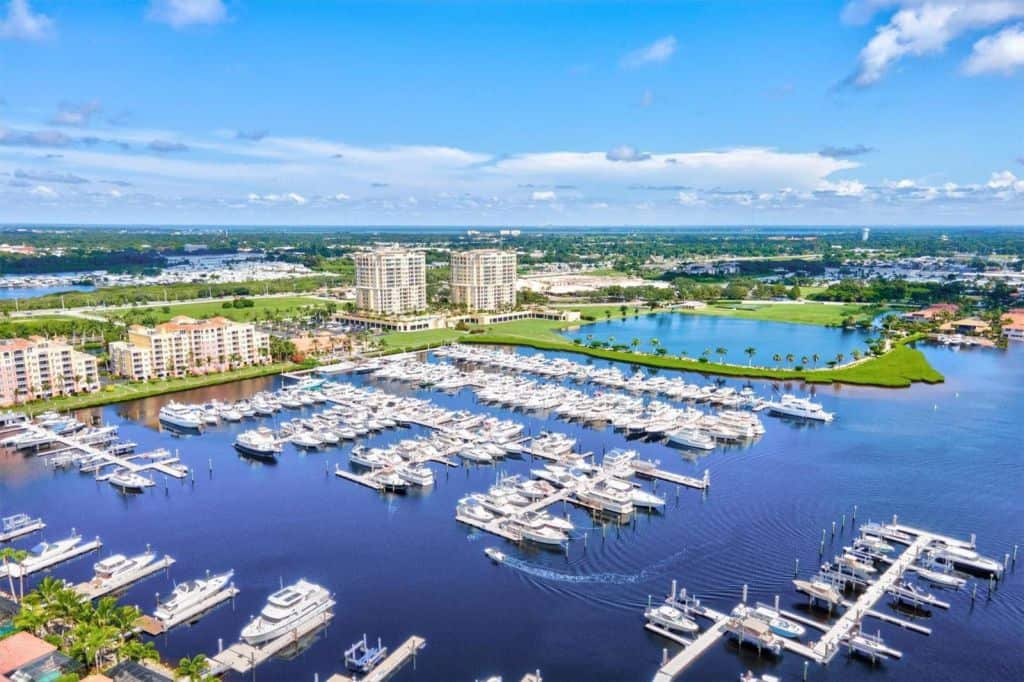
[(421, 339), (116, 393), (285, 305), (826, 314)]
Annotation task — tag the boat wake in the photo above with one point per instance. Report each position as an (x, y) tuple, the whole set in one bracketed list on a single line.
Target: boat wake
[(654, 570)]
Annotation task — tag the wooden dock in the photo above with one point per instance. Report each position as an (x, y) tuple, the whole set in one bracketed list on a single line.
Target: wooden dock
[(17, 570), (685, 658), (90, 590), (679, 479), (395, 661), (193, 613), (361, 479), (242, 657)]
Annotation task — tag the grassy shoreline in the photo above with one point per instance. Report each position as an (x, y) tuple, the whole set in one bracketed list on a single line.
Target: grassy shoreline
[(126, 392)]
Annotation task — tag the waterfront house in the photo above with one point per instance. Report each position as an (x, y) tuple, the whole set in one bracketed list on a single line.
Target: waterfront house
[(26, 658), (932, 312), (970, 326)]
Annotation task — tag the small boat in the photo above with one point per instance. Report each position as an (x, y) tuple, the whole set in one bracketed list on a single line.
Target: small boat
[(306, 440), (129, 481), (909, 594), (966, 560), (495, 555), (820, 591), (362, 658), (779, 624), (671, 618), (939, 576), (749, 676), (755, 633), (392, 482), (867, 646)]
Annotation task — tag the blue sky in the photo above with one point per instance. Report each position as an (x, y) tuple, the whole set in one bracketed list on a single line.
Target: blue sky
[(505, 113)]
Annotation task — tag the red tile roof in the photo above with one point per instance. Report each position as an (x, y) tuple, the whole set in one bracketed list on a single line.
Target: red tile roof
[(20, 649)]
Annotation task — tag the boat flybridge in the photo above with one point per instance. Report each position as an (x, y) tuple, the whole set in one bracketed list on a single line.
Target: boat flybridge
[(791, 406), (181, 416), (118, 569), (287, 609), (671, 618)]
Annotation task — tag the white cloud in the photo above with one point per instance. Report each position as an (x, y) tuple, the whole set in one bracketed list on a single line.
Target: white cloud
[(661, 50), (688, 198), (341, 196), (1000, 53), (182, 13), (544, 195), (626, 153), (1005, 181), (842, 188), (925, 27), (272, 198), (44, 192), (22, 24), (69, 114)]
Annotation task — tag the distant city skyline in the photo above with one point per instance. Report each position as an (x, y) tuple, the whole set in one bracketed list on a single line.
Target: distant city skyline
[(863, 112)]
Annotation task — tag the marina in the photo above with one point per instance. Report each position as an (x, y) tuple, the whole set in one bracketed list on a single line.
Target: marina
[(118, 572), (608, 560), (388, 667)]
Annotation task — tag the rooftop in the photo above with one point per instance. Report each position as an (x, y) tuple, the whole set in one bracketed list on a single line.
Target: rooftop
[(20, 649)]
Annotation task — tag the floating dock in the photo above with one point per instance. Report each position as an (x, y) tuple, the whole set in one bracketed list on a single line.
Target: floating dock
[(89, 590), (17, 570), (242, 657), (32, 527), (87, 450), (390, 665)]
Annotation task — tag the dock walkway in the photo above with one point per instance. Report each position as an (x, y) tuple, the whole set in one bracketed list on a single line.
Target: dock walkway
[(242, 657), (91, 590)]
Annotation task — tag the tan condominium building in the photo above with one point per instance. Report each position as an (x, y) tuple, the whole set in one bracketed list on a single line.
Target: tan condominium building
[(188, 346), (391, 281), (35, 368), (484, 279)]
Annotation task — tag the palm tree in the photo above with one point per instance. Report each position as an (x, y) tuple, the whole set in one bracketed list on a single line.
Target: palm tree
[(654, 344), (706, 354), (803, 360), (777, 358), (721, 353), (11, 555), (789, 358), (856, 354), (139, 651), (31, 617), (635, 343), (839, 358), (89, 642), (815, 357), (751, 352), (683, 354), (622, 309), (192, 669)]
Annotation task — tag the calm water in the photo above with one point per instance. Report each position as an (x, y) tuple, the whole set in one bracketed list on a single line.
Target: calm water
[(694, 334), (944, 457), (32, 292)]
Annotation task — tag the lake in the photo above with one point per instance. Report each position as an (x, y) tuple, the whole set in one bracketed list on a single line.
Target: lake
[(943, 457), (678, 332)]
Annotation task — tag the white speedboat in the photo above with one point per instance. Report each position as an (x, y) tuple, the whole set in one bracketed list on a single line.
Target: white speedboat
[(820, 591), (287, 609), (118, 569), (45, 552), (779, 624), (540, 533), (129, 481), (306, 440), (868, 646), (939, 575), (181, 416), (495, 555), (473, 511), (749, 676), (188, 595), (671, 618)]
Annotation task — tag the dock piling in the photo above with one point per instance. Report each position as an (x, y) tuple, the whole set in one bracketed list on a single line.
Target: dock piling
[(855, 513), (796, 566), (806, 666)]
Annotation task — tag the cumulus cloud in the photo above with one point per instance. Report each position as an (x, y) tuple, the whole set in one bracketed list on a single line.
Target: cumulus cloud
[(341, 196), (288, 198), (845, 152), (251, 135), (21, 23), (69, 114), (1006, 182), (50, 176), (627, 153), (923, 27), (180, 14), (661, 50), (842, 188), (1000, 53), (689, 198), (544, 195), (164, 146)]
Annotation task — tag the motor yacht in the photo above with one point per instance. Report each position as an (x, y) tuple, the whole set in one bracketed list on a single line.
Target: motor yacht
[(820, 591), (130, 481), (260, 443), (48, 552), (287, 609), (190, 594), (306, 440), (791, 406), (416, 475), (118, 569), (671, 618), (539, 533), (691, 438), (472, 510), (181, 417)]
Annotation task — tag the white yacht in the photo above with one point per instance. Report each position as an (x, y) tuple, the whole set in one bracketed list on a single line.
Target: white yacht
[(967, 560), (779, 624), (640, 498), (607, 498), (129, 481), (181, 416), (190, 594), (45, 552), (417, 475), (791, 406), (820, 591), (261, 443), (472, 510), (540, 533), (286, 609), (692, 438), (118, 569), (307, 440), (671, 618)]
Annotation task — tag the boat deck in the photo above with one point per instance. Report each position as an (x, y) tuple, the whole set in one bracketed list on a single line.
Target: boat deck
[(92, 591), (192, 614), (395, 661)]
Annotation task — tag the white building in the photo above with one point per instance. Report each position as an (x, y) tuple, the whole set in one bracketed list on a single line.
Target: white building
[(391, 281), (188, 346), (484, 279), (36, 368)]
